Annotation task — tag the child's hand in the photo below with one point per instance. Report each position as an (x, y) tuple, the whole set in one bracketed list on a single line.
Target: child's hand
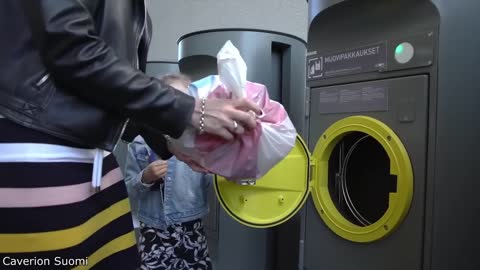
[(155, 171)]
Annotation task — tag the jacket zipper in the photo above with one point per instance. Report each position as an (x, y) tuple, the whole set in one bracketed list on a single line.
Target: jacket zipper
[(139, 37), (149, 37), (137, 46), (43, 80)]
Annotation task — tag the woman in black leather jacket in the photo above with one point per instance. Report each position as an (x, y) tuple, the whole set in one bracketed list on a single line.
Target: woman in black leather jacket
[(70, 78)]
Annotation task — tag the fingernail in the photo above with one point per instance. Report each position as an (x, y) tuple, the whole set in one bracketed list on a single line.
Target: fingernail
[(262, 114)]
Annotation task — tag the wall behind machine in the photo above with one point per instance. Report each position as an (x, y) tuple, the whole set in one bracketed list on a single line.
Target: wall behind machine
[(174, 18)]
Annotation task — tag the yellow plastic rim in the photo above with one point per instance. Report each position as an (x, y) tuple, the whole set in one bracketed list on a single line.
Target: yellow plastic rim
[(275, 198), (399, 202)]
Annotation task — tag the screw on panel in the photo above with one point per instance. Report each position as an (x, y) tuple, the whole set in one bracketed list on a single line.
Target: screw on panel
[(385, 227), (389, 138), (321, 211), (243, 199), (281, 199), (324, 136)]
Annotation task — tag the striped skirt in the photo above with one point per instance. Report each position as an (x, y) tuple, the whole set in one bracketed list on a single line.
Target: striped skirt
[(51, 217)]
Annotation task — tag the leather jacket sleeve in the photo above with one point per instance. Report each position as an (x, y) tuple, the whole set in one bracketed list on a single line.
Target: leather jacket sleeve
[(82, 63), (155, 140)]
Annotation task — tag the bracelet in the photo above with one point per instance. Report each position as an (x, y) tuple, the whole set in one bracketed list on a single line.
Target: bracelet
[(202, 117)]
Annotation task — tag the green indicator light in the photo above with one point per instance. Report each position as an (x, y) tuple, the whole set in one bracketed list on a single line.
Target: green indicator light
[(399, 49)]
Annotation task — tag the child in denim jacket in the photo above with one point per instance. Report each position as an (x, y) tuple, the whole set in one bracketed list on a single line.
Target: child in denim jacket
[(169, 199)]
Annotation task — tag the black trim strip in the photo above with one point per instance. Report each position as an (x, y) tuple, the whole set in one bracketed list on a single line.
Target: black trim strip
[(113, 230), (35, 175), (240, 29), (109, 164), (52, 218), (127, 259), (14, 133), (162, 62)]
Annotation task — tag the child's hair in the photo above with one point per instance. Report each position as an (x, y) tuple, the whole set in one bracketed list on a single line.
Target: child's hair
[(168, 79)]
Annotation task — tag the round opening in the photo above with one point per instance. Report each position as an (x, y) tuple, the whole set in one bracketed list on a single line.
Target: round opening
[(359, 180)]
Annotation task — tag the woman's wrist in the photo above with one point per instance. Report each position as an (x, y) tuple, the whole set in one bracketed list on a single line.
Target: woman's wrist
[(198, 116)]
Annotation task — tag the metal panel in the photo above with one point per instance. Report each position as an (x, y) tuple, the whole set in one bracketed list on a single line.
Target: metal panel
[(403, 249), (315, 7), (158, 68), (456, 216), (371, 22), (451, 206)]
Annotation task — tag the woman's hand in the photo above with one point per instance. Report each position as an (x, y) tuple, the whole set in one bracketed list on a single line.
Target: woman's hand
[(225, 117)]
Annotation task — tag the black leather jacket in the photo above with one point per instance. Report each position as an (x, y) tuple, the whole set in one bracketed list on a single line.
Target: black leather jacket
[(70, 68)]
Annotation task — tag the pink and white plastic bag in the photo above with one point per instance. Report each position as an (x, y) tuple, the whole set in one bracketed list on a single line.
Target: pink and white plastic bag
[(252, 154)]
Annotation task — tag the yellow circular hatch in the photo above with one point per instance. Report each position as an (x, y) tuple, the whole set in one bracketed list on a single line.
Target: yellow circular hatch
[(359, 174), (274, 198), (363, 179)]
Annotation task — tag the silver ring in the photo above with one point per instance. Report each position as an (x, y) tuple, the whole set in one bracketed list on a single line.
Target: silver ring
[(235, 124)]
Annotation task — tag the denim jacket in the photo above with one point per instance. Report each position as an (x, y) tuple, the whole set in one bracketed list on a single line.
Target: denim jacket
[(181, 197)]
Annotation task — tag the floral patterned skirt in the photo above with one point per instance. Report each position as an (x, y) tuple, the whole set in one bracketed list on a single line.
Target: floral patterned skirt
[(178, 247)]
